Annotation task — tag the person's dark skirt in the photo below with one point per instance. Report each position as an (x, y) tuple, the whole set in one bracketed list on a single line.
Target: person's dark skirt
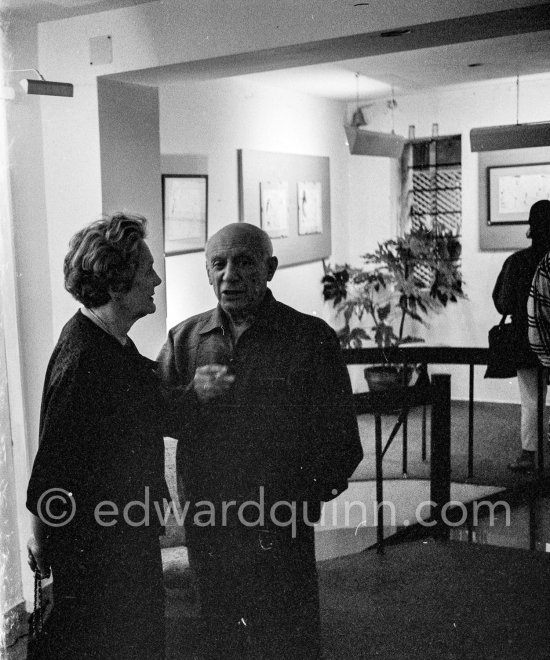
[(108, 602)]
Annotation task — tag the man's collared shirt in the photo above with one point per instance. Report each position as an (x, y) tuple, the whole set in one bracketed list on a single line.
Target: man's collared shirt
[(288, 422)]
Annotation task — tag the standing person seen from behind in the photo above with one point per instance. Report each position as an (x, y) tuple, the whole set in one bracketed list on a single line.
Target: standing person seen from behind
[(273, 435), (510, 296), (101, 449), (538, 311)]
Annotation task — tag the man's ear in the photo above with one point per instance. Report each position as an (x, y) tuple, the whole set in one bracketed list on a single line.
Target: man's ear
[(272, 264)]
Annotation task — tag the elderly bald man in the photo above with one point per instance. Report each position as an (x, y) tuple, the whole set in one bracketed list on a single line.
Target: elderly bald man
[(272, 436)]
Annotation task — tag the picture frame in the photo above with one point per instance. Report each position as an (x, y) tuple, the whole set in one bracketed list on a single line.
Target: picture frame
[(513, 189), (274, 208), (185, 213), (503, 236), (310, 216), (288, 195)]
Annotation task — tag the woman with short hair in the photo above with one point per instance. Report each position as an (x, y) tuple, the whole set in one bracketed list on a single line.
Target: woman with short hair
[(97, 489)]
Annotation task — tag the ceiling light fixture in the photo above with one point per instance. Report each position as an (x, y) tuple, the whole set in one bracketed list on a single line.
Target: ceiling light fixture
[(512, 136), (373, 143), (43, 87)]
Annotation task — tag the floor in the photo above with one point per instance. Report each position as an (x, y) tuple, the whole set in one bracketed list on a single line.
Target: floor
[(519, 520), (516, 521), (524, 525)]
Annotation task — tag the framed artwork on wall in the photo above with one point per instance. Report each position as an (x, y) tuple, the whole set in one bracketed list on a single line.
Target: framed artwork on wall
[(310, 213), (513, 189), (185, 212), (508, 182), (288, 195), (274, 208)]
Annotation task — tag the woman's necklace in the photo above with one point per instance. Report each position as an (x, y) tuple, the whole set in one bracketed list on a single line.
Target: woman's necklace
[(103, 324)]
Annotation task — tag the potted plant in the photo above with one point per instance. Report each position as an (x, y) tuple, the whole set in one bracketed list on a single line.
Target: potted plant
[(407, 277)]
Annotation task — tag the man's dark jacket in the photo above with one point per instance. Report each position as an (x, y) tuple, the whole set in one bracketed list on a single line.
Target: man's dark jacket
[(287, 424)]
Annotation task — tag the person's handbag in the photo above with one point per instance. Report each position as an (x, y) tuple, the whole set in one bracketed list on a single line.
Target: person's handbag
[(39, 643), (501, 359)]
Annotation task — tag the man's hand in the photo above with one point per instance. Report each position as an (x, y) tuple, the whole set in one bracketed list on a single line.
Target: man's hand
[(211, 382), (37, 557)]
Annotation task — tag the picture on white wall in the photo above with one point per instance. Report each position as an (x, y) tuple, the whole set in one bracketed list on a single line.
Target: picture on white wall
[(310, 214), (274, 208), (185, 212), (288, 195), (513, 189)]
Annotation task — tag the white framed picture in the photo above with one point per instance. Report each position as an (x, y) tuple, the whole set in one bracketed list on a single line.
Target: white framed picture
[(274, 208), (185, 212), (310, 210)]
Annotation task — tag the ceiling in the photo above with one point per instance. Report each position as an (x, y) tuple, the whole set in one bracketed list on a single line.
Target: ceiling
[(435, 52), (38, 11), (414, 71)]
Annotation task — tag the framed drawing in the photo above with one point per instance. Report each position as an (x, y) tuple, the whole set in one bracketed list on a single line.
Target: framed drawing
[(502, 222), (185, 212), (288, 195), (513, 189), (274, 208), (310, 215)]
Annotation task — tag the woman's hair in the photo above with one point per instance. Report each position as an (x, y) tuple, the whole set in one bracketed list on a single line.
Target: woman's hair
[(103, 257)]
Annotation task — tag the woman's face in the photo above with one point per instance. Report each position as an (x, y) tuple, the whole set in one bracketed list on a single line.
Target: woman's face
[(138, 302)]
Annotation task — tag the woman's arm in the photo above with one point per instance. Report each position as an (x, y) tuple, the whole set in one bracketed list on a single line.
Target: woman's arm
[(37, 547)]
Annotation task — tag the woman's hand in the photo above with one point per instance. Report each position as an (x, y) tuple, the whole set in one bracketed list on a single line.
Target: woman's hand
[(38, 558)]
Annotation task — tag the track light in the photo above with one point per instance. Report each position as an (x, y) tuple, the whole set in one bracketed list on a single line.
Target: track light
[(362, 142), (513, 136), (44, 87), (371, 143)]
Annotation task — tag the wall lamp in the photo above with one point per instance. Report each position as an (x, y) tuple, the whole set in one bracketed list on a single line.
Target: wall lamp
[(513, 136), (363, 142), (43, 87), (372, 143)]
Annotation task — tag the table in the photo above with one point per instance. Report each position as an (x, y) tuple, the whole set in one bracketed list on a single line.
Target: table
[(407, 354)]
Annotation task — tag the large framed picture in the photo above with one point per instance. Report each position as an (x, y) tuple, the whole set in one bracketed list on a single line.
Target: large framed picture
[(185, 212), (288, 195), (513, 189)]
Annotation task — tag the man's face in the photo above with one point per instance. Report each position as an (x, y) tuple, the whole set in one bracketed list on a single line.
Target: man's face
[(238, 272)]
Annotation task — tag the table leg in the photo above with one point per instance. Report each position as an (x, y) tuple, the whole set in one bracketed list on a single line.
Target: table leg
[(424, 428), (440, 474), (379, 493), (471, 424)]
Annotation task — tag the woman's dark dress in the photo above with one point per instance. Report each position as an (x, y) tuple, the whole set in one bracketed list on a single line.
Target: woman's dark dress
[(101, 440)]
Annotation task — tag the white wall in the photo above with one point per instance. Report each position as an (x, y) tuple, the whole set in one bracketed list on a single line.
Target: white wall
[(130, 170), (26, 296), (456, 111), (214, 119)]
